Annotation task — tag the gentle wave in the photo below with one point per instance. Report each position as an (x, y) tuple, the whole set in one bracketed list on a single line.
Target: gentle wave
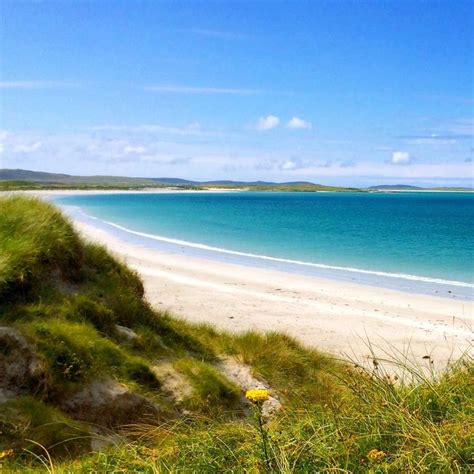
[(196, 245)]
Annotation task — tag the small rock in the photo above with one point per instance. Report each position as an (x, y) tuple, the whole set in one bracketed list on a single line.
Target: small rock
[(127, 333), (173, 382), (109, 403), (21, 370), (241, 375)]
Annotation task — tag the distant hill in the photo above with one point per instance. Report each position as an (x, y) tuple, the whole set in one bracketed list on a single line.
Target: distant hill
[(407, 187), (66, 179), (26, 179), (256, 183), (173, 181), (26, 175), (226, 182), (394, 186)]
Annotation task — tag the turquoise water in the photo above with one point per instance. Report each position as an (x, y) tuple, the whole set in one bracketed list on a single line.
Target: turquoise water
[(410, 235)]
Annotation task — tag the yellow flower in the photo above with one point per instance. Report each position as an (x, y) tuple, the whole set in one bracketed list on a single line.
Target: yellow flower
[(375, 455), (257, 395), (6, 453)]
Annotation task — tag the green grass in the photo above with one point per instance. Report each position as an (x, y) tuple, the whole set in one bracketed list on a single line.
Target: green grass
[(213, 393), (26, 421), (66, 297)]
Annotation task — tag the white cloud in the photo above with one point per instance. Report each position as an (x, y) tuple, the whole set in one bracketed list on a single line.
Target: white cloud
[(130, 149), (27, 147), (401, 158), (295, 163), (288, 165), (267, 123), (177, 89), (299, 124), (107, 152)]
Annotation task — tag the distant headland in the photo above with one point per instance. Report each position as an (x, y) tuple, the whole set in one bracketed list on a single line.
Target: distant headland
[(19, 179)]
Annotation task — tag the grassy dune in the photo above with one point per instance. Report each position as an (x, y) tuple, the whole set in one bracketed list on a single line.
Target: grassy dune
[(69, 301)]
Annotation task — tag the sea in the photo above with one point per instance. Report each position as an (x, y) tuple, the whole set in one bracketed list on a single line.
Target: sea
[(415, 242)]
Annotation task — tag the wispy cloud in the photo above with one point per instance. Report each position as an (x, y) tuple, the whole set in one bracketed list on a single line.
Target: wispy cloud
[(462, 127), (444, 138), (445, 132), (27, 147), (179, 89), (267, 123), (192, 129), (36, 84), (436, 141), (219, 34)]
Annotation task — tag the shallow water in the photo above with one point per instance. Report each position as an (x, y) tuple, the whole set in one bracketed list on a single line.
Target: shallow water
[(421, 242)]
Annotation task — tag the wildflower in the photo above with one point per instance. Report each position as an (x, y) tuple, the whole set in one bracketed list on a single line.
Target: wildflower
[(7, 453), (375, 455), (257, 395)]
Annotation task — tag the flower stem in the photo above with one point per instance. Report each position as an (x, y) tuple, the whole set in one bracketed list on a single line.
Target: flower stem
[(263, 433)]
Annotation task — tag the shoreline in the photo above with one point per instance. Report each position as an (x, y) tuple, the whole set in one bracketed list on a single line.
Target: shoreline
[(112, 227), (45, 193), (378, 278), (340, 318)]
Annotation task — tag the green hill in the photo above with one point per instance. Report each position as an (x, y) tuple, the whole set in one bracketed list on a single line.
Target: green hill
[(17, 178), (405, 187), (92, 379), (11, 179)]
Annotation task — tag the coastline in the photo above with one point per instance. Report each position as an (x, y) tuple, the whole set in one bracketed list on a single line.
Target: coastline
[(341, 318), (365, 273), (45, 193)]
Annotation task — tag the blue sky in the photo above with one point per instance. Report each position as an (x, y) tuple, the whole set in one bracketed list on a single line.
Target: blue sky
[(336, 92)]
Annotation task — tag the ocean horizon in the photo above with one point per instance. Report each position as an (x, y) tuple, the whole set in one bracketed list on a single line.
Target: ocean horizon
[(415, 242)]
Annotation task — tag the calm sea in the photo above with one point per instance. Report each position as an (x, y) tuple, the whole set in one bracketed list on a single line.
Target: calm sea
[(421, 242)]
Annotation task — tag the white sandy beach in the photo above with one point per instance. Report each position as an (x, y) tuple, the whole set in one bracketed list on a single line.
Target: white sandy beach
[(91, 192), (330, 315)]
